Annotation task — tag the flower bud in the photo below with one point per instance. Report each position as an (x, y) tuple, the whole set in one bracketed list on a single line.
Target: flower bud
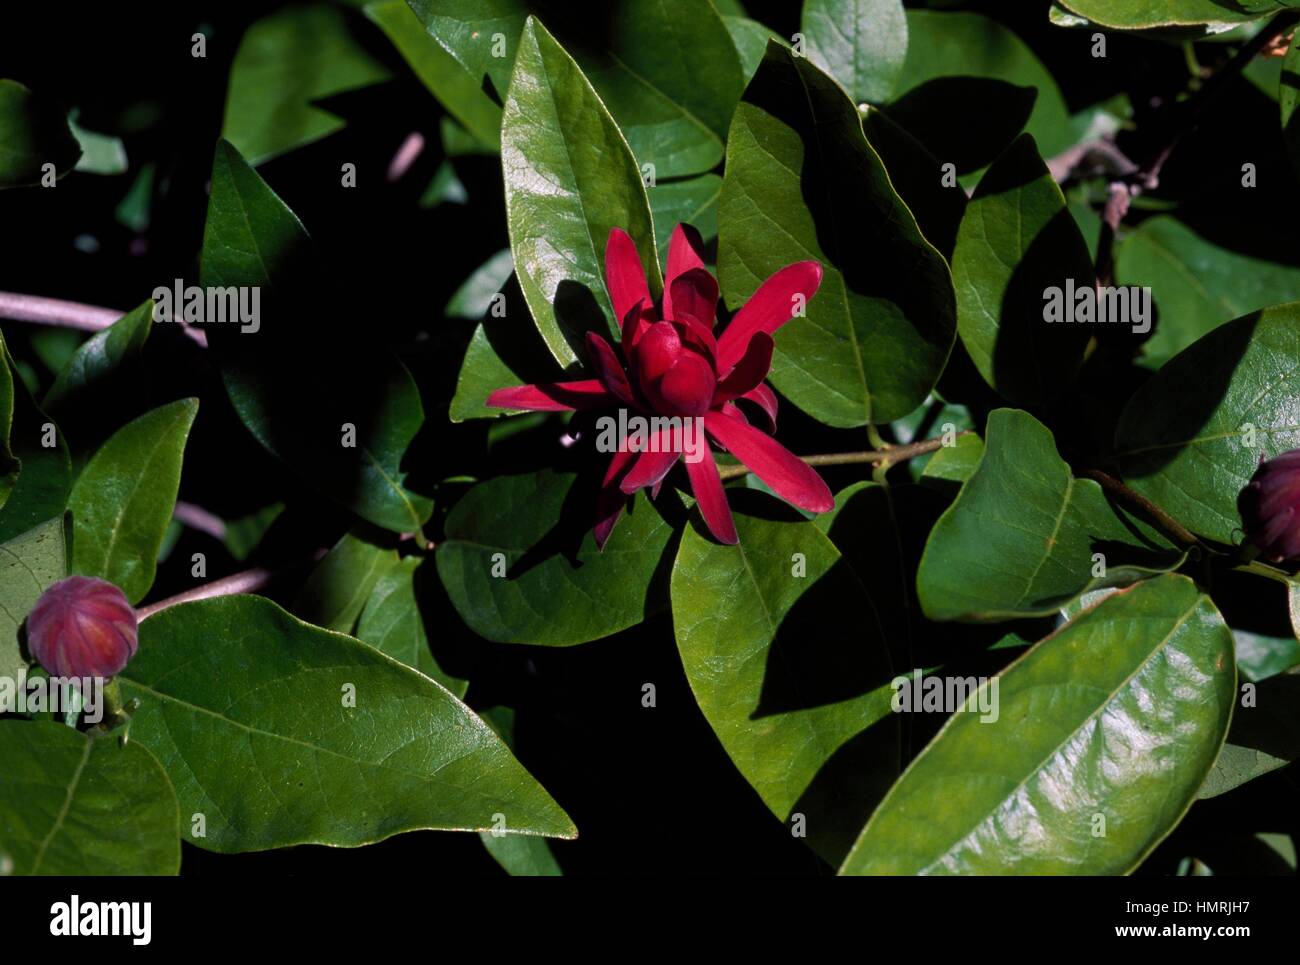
[(1270, 507), (82, 627)]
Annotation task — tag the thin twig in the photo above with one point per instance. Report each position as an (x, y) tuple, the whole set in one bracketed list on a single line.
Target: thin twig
[(198, 518), (64, 314), (1174, 528), (246, 581), (891, 455)]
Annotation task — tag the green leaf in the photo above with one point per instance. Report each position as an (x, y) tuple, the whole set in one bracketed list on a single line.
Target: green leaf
[(441, 73), (1288, 98), (247, 709), (518, 855), (750, 38), (1191, 438), (337, 589), (124, 498), (557, 588), (1265, 736), (1260, 657), (1143, 14), (801, 183), (1196, 285), (570, 178), (956, 463), (957, 44), (1016, 241), (75, 805), (9, 463), (286, 64), (673, 109), (45, 473), (474, 297), (252, 239), (692, 201), (917, 176), (789, 668), (861, 43), (100, 153), (1118, 715), (29, 564), (101, 357), (1021, 538), (392, 622), (33, 133)]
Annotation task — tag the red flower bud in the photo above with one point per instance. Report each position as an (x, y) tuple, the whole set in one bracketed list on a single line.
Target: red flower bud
[(1270, 507), (82, 627)]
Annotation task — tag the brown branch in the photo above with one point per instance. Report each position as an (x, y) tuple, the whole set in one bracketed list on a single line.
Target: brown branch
[(891, 454), (1112, 485)]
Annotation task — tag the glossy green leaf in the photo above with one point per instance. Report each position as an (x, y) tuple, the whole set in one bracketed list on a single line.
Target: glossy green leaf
[(1192, 436), (570, 178), (956, 463), (1022, 537), (517, 854), (1265, 736), (124, 498), (337, 589), (441, 73), (45, 465), (28, 565), (1195, 284), (287, 63), (75, 805), (1118, 716), (802, 183), (248, 710), (252, 239), (959, 44), (99, 358), (1016, 241), (673, 109), (1143, 14), (551, 586), (692, 201), (797, 693), (394, 623), (1260, 657), (33, 133), (861, 43), (473, 298)]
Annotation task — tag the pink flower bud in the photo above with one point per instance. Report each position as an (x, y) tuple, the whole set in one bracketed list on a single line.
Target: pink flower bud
[(1270, 507), (82, 627)]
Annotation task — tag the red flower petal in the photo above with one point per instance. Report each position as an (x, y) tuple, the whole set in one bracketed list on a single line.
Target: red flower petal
[(712, 498), (685, 251), (790, 477), (637, 319), (770, 307), (694, 292), (697, 335), (624, 275), (656, 352), (749, 371), (552, 396), (686, 389), (651, 466), (610, 501), (608, 368), (762, 396)]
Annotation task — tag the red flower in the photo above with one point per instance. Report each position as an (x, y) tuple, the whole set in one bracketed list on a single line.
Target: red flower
[(1270, 507), (672, 365), (82, 627)]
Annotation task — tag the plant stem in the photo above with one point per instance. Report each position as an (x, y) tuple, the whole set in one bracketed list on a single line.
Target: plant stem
[(891, 455), (64, 314), (1170, 525), (246, 581)]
